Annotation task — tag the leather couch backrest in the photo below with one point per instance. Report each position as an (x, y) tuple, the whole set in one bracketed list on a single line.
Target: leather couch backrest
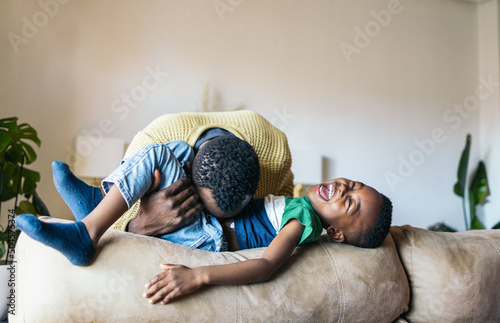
[(454, 277)]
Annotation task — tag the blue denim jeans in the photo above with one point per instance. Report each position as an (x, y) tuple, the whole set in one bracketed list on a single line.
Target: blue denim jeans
[(136, 174)]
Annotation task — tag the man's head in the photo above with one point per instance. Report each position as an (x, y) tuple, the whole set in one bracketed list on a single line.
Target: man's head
[(226, 172), (352, 212)]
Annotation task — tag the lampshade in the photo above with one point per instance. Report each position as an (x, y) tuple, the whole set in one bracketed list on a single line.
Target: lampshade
[(98, 156), (307, 166)]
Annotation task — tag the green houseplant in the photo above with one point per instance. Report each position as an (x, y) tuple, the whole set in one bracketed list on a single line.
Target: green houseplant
[(477, 192), (473, 195), (16, 151)]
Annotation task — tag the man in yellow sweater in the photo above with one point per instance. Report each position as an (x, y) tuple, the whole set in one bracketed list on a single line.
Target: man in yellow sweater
[(162, 212)]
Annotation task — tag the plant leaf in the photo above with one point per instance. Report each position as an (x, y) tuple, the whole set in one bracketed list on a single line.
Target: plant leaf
[(496, 226), (28, 151), (30, 178), (4, 234), (9, 181), (9, 123), (17, 147), (479, 188), (25, 207), (14, 154), (2, 249), (477, 224), (459, 187), (4, 237), (5, 138), (26, 131)]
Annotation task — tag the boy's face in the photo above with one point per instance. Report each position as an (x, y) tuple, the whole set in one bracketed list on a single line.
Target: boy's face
[(345, 207), (213, 209)]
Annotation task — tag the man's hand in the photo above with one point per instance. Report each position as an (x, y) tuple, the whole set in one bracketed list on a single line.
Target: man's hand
[(164, 211)]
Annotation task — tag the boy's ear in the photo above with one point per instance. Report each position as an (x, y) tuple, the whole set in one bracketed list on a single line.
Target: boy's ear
[(336, 234)]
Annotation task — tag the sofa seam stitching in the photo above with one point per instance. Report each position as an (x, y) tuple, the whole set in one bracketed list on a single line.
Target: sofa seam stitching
[(493, 243), (339, 284), (410, 238), (237, 304), (235, 307), (240, 302)]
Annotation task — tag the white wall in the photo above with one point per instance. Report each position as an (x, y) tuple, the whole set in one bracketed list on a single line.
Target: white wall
[(366, 103), (489, 59)]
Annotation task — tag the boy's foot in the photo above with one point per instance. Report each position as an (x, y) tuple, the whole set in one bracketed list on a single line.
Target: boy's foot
[(78, 195), (70, 239)]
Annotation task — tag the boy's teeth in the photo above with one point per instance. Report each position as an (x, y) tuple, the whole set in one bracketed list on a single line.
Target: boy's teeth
[(330, 192)]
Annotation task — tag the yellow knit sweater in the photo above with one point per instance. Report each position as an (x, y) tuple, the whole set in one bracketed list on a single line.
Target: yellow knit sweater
[(269, 143)]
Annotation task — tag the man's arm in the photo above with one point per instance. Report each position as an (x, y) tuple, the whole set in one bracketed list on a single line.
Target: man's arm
[(178, 280), (164, 211)]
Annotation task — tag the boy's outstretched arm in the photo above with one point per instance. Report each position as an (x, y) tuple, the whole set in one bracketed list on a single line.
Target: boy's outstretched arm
[(177, 280)]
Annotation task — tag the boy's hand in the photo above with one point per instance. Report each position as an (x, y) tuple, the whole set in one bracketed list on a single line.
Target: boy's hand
[(164, 211), (174, 281)]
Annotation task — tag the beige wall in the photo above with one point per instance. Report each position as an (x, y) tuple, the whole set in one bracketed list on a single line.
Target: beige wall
[(489, 59), (370, 85)]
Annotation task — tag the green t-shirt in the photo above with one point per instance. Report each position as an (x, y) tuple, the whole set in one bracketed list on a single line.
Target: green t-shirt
[(300, 208)]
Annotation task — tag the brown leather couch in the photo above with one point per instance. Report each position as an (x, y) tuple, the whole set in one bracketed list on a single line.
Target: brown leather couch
[(415, 276)]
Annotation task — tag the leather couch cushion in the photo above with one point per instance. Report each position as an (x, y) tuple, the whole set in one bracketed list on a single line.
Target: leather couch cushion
[(454, 277), (322, 282)]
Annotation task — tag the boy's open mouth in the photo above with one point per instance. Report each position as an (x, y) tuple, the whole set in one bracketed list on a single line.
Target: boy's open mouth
[(325, 191)]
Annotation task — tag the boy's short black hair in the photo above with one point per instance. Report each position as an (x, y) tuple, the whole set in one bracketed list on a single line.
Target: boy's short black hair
[(373, 237), (229, 167)]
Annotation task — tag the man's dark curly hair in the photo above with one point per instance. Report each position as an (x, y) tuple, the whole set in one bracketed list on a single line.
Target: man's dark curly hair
[(373, 237), (229, 167)]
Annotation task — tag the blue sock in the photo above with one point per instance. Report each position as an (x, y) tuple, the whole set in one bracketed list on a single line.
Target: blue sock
[(70, 239), (78, 195)]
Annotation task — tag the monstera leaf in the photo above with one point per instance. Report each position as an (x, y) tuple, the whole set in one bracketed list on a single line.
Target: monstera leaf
[(16, 151), (13, 141)]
